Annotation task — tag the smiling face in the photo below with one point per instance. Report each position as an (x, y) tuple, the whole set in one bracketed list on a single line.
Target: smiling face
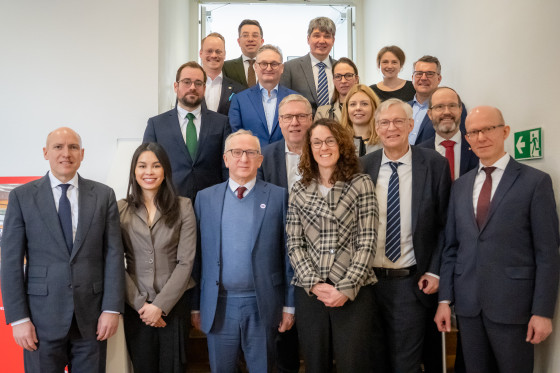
[(269, 77), (446, 122), (360, 109), (343, 85), (320, 43), (389, 65), (325, 156), (425, 86), (212, 54), (250, 40), (149, 172), (294, 130), (64, 153), (394, 139), (243, 169)]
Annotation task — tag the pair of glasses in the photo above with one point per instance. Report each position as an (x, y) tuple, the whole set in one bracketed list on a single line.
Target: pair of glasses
[(441, 107), (429, 74), (188, 83), (398, 122), (252, 36), (273, 65), (330, 141), (346, 76), (238, 153), (287, 118), (473, 135)]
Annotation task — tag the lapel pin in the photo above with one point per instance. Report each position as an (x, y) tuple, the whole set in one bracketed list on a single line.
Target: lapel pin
[(263, 205)]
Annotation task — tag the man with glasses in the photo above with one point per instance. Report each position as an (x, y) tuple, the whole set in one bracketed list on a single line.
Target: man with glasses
[(426, 78), (256, 108), (412, 189), (192, 135), (500, 264), (250, 40), (219, 88), (245, 295)]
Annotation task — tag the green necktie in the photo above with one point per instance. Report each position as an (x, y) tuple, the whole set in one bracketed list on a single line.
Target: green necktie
[(192, 143)]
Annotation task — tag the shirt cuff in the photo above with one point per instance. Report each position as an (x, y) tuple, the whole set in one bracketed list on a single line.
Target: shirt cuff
[(291, 310), (194, 312), (432, 274), (20, 321), (118, 313), (444, 302)]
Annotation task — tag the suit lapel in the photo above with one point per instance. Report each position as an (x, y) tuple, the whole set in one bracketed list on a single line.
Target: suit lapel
[(419, 172), (258, 106), (175, 128), (240, 70), (227, 90), (262, 193), (307, 69), (204, 131), (47, 209), (423, 126), (86, 208), (280, 162), (375, 165)]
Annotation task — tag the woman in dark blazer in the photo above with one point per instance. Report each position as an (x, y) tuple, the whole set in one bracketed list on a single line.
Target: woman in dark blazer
[(332, 231), (159, 236)]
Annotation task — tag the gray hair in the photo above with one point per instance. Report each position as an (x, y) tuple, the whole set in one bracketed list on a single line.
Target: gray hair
[(324, 24), (385, 105), (295, 98), (271, 48), (239, 133)]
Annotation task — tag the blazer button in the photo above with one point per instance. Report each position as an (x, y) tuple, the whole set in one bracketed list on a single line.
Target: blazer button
[(150, 261), (332, 251), (217, 283), (70, 286)]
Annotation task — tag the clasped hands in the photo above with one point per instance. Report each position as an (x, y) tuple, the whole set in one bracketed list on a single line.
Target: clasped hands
[(151, 315), (327, 294)]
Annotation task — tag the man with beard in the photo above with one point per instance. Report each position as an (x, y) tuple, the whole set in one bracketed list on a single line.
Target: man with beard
[(445, 111), (193, 136)]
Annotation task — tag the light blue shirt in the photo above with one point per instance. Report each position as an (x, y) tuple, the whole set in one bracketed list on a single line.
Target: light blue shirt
[(418, 114), (269, 105)]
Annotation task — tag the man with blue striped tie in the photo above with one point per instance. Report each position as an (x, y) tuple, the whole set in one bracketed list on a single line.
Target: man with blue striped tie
[(311, 75), (412, 188)]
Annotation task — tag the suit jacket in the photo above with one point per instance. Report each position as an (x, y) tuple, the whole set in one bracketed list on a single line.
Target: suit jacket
[(509, 268), (247, 112), (159, 258), (271, 269), (431, 183), (426, 130), (273, 167), (208, 166), (468, 159), (235, 70), (298, 75), (229, 88), (57, 285)]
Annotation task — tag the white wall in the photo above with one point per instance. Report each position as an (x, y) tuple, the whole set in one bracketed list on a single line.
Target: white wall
[(501, 53)]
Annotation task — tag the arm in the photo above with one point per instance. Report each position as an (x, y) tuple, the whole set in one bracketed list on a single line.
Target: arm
[(234, 115), (288, 270), (226, 132)]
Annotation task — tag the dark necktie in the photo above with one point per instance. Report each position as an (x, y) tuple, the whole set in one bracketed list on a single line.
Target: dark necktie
[(322, 86), (65, 216), (450, 155), (240, 190), (393, 238), (192, 143), (483, 204), (251, 78)]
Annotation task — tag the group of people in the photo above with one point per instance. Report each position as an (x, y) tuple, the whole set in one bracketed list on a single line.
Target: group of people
[(277, 192)]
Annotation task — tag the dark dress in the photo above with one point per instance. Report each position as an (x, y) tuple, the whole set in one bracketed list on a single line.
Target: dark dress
[(406, 93)]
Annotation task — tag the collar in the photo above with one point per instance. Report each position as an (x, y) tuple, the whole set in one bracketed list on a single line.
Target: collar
[(234, 185), (217, 79), (416, 102), (500, 163), (405, 159), (183, 112), (315, 61), (55, 182), (264, 91), (245, 58), (456, 137)]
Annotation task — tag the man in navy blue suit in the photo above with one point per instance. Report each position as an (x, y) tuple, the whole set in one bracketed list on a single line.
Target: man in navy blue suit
[(192, 135), (500, 263), (256, 108)]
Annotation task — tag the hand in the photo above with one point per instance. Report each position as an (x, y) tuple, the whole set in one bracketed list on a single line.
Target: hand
[(329, 295), (428, 284), (287, 322), (160, 323), (539, 329), (195, 320), (107, 325), (150, 314), (443, 317), (25, 335)]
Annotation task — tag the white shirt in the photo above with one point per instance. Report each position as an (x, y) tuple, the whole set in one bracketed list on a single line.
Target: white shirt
[(72, 194), (213, 92), (404, 170), (246, 67), (496, 177), (292, 162), (328, 71), (456, 151), (183, 121)]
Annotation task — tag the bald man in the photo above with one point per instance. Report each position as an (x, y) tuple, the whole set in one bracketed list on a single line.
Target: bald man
[(500, 263), (65, 230)]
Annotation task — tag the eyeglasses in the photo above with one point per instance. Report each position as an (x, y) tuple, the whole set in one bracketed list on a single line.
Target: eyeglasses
[(346, 76), (287, 118), (264, 65), (188, 83), (238, 153), (330, 141), (429, 74), (473, 135), (247, 36), (398, 122), (441, 107)]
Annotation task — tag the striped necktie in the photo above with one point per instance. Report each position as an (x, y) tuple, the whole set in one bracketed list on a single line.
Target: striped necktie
[(323, 87), (393, 238)]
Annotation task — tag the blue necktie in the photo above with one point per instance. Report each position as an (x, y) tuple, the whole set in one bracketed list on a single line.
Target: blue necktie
[(65, 216), (393, 238), (323, 86)]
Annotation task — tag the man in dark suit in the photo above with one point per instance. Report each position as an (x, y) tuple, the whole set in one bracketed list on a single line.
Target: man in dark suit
[(445, 112), (192, 135), (426, 78), (311, 75), (65, 230), (280, 167), (219, 88), (250, 40), (500, 263), (256, 108), (245, 294), (412, 188)]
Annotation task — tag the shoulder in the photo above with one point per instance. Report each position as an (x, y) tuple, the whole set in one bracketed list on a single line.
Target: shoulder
[(164, 116), (429, 155), (275, 147), (285, 91), (429, 143), (371, 158), (233, 61), (95, 186), (362, 183), (297, 61), (214, 116)]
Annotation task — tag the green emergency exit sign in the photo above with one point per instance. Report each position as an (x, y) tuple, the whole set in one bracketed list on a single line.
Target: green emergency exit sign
[(528, 144)]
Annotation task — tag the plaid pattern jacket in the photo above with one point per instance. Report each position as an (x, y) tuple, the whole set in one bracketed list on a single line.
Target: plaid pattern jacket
[(333, 237)]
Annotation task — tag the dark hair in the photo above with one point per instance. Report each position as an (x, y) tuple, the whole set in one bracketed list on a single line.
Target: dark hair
[(166, 199), (346, 61), (459, 102), (347, 165), (323, 24), (429, 59), (192, 65), (253, 22), (398, 52)]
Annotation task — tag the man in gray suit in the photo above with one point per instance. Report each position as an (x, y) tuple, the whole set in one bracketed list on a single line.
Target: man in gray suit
[(311, 75), (65, 230)]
